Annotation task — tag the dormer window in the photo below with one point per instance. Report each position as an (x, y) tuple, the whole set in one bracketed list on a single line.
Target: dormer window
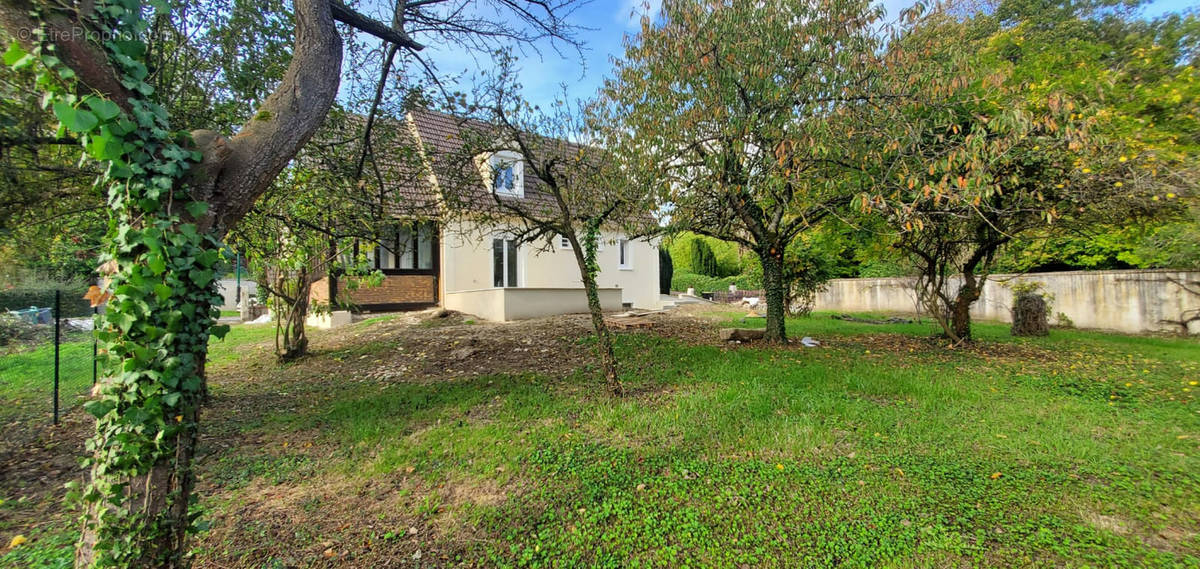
[(507, 174)]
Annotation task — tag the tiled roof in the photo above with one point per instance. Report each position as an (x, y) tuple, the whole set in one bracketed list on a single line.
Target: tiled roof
[(441, 135), (394, 168), (440, 138)]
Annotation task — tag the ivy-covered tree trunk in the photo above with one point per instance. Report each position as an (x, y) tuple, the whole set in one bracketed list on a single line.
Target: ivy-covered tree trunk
[(171, 197), (588, 268), (604, 342), (776, 293), (149, 410)]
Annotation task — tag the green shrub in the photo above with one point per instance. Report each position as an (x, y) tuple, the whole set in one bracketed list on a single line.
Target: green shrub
[(703, 260), (881, 268), (666, 270), (41, 295), (704, 283), (730, 259)]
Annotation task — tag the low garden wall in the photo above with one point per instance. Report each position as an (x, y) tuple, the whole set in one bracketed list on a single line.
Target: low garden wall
[(228, 289), (1126, 301), (504, 304)]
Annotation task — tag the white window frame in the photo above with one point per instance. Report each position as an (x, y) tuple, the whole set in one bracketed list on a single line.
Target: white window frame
[(505, 158), (518, 274), (624, 248), (565, 245)]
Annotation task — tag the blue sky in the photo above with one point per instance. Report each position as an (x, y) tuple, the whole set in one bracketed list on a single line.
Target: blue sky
[(606, 23)]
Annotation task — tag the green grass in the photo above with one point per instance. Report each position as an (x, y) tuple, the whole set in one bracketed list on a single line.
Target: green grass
[(27, 378), (864, 454), (880, 449), (233, 347), (45, 550), (784, 457)]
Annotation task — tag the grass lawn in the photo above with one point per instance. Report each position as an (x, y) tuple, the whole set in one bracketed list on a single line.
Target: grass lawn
[(27, 378), (881, 448)]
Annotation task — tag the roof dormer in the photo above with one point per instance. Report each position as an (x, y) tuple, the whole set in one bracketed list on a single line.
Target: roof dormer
[(507, 174)]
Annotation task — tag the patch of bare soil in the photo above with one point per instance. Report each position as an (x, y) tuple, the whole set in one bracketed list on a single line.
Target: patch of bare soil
[(439, 347), (36, 459), (693, 324)]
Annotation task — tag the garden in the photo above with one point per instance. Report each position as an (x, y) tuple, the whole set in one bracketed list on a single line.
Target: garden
[(332, 152), (405, 441)]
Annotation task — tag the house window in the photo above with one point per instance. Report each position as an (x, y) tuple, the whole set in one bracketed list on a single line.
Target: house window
[(507, 174), (564, 243), (406, 247), (623, 259), (424, 249), (504, 262)]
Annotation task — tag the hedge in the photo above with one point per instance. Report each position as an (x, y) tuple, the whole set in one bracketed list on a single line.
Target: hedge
[(729, 260), (41, 295), (702, 259), (666, 271), (685, 280)]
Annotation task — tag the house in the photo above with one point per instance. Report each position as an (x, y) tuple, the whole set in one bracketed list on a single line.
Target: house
[(434, 259)]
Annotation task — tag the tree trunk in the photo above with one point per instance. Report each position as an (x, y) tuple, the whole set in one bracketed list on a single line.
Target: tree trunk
[(960, 314), (296, 340), (585, 258), (604, 342), (774, 287), (291, 338), (137, 503), (1029, 315), (152, 522)]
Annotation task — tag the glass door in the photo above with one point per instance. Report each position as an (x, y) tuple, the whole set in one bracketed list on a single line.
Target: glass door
[(504, 262)]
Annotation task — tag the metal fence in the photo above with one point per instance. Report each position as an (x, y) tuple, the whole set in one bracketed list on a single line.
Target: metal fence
[(47, 359)]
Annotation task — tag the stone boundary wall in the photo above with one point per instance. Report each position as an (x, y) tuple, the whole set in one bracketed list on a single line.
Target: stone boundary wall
[(1126, 301), (228, 288)]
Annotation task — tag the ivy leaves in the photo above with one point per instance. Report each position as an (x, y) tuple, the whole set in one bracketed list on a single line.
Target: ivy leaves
[(75, 119), (160, 268), (18, 58), (82, 121)]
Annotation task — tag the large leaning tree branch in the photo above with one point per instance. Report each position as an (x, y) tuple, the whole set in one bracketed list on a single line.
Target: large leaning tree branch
[(62, 31), (394, 34), (234, 170)]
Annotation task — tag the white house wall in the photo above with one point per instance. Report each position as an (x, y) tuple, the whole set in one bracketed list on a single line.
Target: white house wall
[(467, 265)]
